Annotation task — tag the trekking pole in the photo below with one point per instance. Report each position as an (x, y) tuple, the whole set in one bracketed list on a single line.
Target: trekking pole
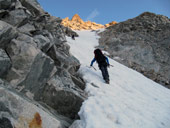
[(94, 68)]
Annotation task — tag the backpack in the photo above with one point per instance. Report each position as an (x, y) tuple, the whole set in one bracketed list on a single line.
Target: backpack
[(100, 58)]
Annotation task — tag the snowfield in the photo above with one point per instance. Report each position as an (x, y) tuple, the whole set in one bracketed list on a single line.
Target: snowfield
[(130, 100)]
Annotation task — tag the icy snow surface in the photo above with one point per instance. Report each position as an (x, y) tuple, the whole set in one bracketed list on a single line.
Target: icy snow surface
[(130, 100)]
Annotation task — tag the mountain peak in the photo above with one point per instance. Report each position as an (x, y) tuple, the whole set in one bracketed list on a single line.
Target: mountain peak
[(77, 18), (76, 23)]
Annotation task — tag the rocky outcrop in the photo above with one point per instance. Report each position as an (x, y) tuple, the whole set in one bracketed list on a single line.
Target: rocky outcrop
[(142, 43), (110, 24), (76, 23), (20, 112), (35, 61), (7, 33)]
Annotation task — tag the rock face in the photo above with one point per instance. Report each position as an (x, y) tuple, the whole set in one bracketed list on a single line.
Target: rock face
[(76, 23), (110, 24), (35, 61), (142, 43), (23, 113), (5, 62)]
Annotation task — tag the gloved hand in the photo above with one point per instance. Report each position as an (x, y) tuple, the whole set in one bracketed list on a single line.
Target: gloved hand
[(108, 65), (91, 65)]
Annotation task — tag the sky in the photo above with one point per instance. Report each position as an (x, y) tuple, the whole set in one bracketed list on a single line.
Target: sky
[(105, 11)]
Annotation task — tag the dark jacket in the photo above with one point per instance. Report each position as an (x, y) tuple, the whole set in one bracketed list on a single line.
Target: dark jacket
[(102, 62)]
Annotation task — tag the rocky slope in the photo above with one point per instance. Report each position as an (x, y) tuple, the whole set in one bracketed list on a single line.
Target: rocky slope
[(76, 23), (35, 63), (142, 43), (18, 111)]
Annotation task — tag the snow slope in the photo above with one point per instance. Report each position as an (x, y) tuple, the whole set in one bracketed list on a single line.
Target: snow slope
[(130, 101)]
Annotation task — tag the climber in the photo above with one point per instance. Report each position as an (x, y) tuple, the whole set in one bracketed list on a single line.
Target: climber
[(73, 37), (103, 63)]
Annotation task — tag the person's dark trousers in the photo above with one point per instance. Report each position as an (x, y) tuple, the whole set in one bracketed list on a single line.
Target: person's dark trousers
[(105, 73)]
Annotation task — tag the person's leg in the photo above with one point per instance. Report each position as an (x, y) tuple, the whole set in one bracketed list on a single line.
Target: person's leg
[(104, 73)]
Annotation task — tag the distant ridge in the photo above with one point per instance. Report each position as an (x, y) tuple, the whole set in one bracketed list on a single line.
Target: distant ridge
[(76, 23)]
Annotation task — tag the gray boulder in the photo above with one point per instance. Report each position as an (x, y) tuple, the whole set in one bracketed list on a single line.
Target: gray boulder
[(26, 28), (7, 33), (62, 95), (62, 59), (22, 56), (33, 6), (18, 111), (40, 72), (16, 17), (43, 42)]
